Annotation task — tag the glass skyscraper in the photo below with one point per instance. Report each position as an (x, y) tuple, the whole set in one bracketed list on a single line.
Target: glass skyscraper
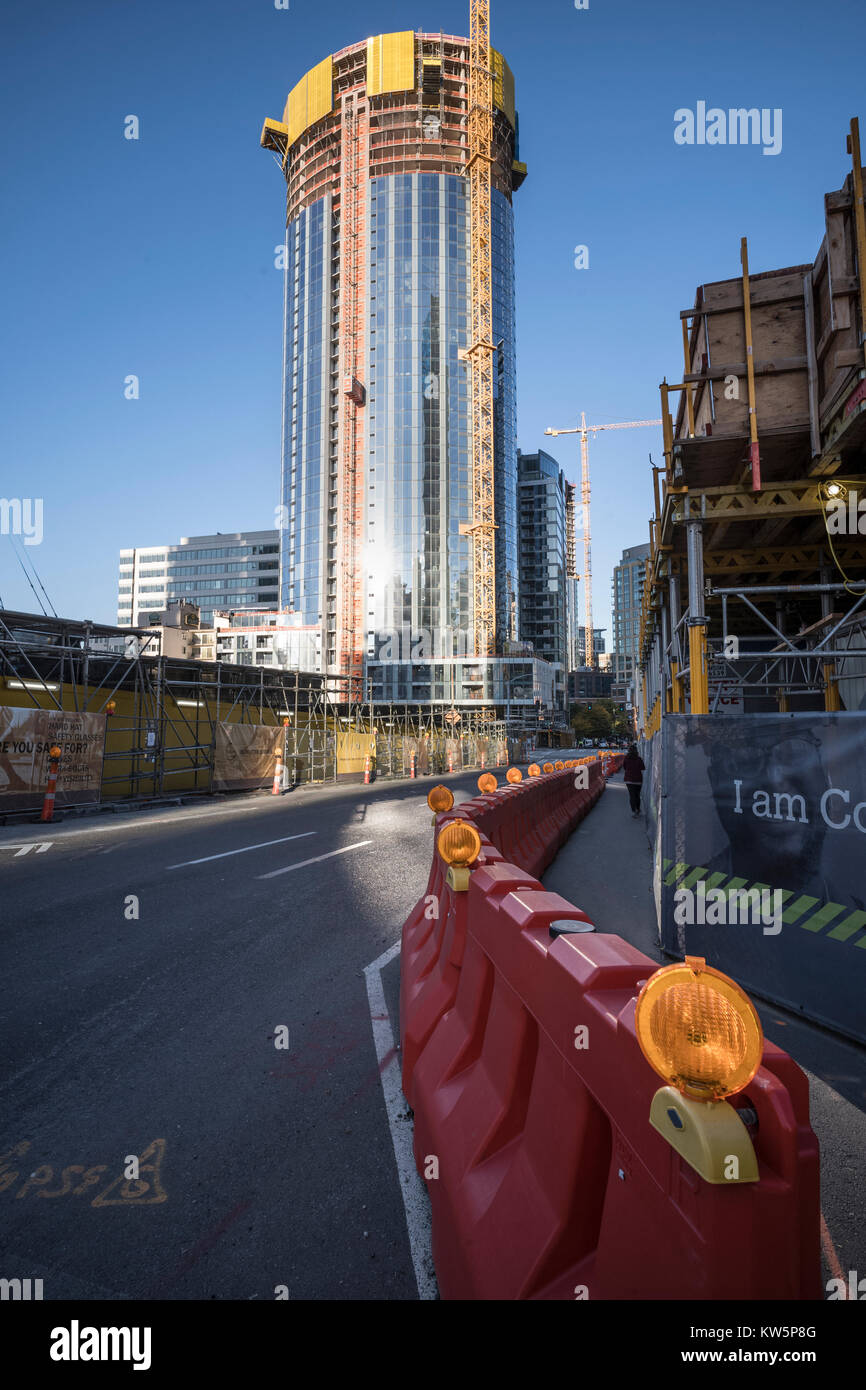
[(376, 472), (543, 560), (627, 596)]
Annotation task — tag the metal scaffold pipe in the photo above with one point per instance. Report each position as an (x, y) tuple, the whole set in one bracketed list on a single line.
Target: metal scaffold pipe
[(697, 620)]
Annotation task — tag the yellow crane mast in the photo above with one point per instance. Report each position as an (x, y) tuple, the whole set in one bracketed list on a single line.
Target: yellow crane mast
[(585, 430), (481, 346)]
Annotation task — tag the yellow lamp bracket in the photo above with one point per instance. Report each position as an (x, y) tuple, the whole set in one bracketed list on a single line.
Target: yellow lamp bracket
[(457, 878), (709, 1135)]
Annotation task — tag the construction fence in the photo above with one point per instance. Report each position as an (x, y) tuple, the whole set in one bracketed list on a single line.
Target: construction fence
[(133, 727), (758, 826)]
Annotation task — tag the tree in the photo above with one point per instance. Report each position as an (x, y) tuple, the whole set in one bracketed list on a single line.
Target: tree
[(600, 719)]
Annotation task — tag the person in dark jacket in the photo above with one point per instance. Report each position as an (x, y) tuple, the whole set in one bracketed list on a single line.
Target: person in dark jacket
[(633, 769)]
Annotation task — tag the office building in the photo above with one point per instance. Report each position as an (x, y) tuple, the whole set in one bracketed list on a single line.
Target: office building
[(598, 642), (255, 638), (541, 522), (626, 597), (588, 684), (238, 570)]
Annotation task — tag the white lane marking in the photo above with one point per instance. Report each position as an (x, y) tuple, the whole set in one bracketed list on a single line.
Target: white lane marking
[(243, 850), (40, 847), (319, 857), (107, 825), (415, 1200)]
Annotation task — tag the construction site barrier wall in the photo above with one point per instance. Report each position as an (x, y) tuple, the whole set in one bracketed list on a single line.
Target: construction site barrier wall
[(759, 857), (156, 741), (530, 1091)]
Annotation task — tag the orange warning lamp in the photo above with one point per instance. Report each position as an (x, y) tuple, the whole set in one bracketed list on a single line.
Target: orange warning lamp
[(548, 767), (54, 752), (534, 770), (558, 766), (514, 775), (487, 782), (111, 707), (440, 799), (459, 844), (701, 1032)]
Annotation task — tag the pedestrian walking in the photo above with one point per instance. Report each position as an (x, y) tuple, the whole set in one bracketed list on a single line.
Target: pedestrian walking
[(633, 769)]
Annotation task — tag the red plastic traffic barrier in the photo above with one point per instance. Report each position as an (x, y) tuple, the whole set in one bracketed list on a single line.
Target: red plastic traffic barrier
[(551, 1182), (524, 824)]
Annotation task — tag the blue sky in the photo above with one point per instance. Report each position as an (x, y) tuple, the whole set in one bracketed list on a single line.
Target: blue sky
[(156, 257)]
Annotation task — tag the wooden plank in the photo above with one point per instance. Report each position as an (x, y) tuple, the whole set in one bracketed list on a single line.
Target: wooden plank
[(772, 287), (818, 267), (764, 368), (809, 307), (840, 263)]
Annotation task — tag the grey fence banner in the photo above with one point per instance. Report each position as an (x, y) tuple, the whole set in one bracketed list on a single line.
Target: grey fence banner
[(763, 856)]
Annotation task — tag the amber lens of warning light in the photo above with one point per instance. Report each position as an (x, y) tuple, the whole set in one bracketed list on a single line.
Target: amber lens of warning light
[(440, 799), (699, 1030), (548, 767), (559, 766), (534, 770), (459, 843), (487, 782), (514, 775)]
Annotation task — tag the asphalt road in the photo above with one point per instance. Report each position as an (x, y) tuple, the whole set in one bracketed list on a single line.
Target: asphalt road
[(154, 1037), (153, 962)]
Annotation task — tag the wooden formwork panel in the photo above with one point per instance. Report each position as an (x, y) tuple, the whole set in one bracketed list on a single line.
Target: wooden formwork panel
[(835, 298), (718, 353)]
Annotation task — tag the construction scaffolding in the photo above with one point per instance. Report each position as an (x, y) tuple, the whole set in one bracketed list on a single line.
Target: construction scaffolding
[(161, 722), (755, 593)]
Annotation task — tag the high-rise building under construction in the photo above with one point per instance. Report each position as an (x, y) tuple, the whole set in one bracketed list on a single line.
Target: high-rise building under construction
[(377, 459)]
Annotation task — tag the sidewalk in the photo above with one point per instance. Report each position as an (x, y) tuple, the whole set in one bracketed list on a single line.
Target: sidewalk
[(605, 868)]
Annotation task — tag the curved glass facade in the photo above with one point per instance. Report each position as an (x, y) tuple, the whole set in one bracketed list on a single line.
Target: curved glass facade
[(418, 566), (306, 410)]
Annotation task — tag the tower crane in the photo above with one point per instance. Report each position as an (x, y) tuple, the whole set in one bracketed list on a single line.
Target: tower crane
[(479, 354), (585, 430)]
